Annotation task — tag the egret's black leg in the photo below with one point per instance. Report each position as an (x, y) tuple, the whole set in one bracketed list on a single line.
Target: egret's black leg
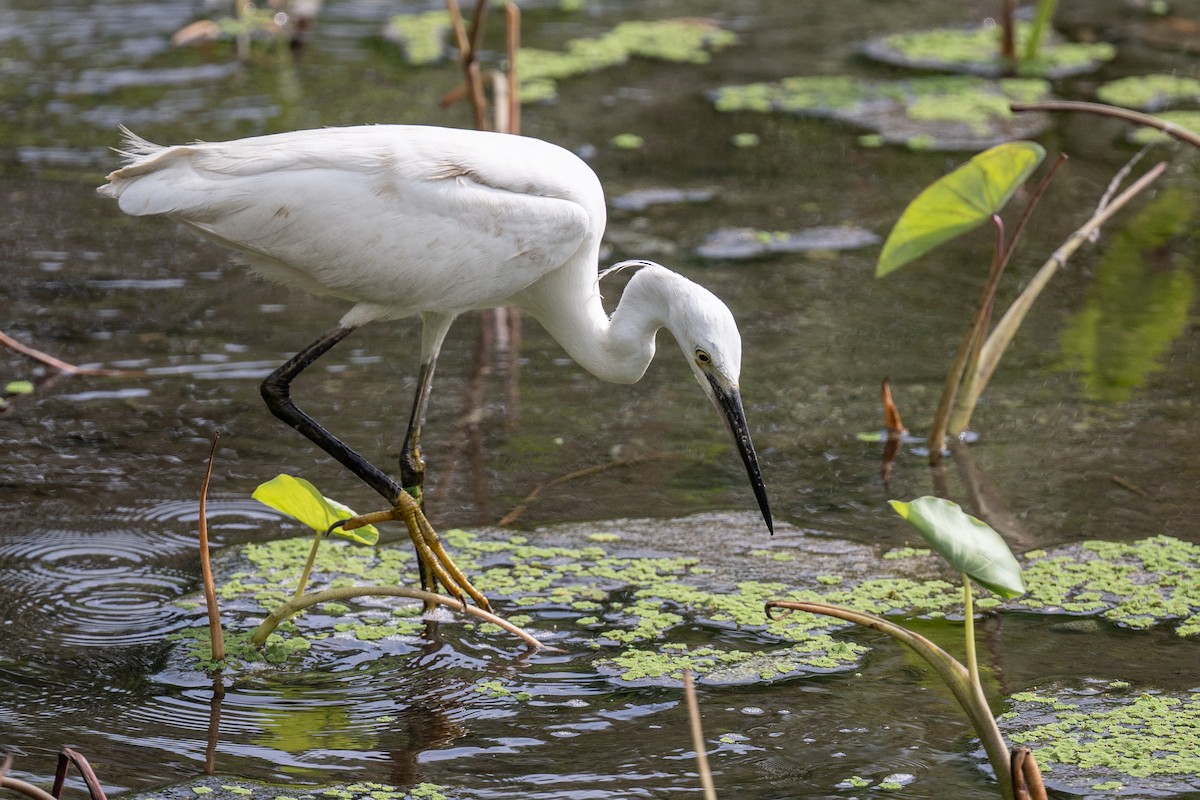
[(276, 391), (412, 463), (434, 326)]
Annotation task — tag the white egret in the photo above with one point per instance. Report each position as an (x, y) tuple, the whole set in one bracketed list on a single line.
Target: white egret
[(402, 220)]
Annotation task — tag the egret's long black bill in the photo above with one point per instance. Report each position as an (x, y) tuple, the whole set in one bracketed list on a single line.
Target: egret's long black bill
[(730, 404)]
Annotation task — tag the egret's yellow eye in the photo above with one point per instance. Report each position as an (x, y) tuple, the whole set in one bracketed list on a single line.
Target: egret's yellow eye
[(702, 357)]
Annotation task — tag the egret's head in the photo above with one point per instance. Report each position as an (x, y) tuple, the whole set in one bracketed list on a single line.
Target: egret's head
[(708, 335)]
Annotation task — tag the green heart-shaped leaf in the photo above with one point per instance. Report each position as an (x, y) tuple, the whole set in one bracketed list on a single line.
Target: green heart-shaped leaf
[(971, 546), (958, 202), (301, 501)]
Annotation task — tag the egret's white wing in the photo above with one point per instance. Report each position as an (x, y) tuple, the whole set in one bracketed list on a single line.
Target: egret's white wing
[(402, 216)]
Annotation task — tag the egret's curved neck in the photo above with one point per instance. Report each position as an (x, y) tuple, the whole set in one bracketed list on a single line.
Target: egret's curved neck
[(616, 349)]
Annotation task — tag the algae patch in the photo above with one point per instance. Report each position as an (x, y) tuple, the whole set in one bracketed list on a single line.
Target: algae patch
[(1131, 584), (976, 51), (645, 618), (744, 243), (1110, 738), (957, 112), (231, 788), (685, 41), (1189, 120), (1150, 92)]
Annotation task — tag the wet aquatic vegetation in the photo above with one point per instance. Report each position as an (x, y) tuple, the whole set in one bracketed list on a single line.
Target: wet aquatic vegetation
[(1131, 584), (743, 243), (940, 112), (1102, 738), (1149, 92), (226, 787), (422, 36), (686, 41), (645, 611), (641, 199), (977, 51), (1188, 121), (66, 759), (960, 201), (1181, 125), (979, 554)]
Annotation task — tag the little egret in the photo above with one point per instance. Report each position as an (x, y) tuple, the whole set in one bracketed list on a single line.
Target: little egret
[(402, 220)]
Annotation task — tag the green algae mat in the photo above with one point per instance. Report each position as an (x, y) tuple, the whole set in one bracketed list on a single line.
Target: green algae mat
[(228, 788), (607, 596), (1108, 738), (943, 112), (634, 603)]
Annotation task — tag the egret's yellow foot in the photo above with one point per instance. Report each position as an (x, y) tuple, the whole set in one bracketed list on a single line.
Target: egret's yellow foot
[(428, 546)]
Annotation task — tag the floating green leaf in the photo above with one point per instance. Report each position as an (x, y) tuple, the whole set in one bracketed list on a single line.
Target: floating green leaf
[(18, 387), (303, 502), (959, 202), (970, 545)]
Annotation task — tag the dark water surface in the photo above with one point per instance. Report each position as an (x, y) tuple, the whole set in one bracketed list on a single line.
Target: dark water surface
[(99, 476)]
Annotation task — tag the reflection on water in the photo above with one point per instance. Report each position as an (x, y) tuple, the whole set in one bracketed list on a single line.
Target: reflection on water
[(99, 476), (1138, 305)]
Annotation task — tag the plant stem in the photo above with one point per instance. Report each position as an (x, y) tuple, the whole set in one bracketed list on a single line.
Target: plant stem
[(950, 670), (968, 349), (1004, 331), (298, 604), (1169, 128), (302, 584), (1045, 12), (953, 412), (969, 631), (215, 633)]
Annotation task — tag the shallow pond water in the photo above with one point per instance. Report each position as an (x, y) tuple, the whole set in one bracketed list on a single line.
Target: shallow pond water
[(100, 475)]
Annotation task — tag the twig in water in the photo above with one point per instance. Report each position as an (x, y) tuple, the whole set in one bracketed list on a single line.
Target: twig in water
[(519, 509), (1169, 128), (210, 590), (65, 759), (693, 707), (59, 364)]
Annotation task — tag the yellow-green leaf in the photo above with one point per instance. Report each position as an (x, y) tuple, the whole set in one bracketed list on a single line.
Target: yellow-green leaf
[(970, 545), (958, 202), (302, 501)]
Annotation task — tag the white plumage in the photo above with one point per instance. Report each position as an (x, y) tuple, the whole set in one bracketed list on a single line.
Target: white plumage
[(401, 220)]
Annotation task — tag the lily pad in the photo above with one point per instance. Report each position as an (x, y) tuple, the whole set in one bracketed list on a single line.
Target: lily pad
[(976, 51), (1108, 739), (729, 667), (955, 112), (741, 243), (968, 544)]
